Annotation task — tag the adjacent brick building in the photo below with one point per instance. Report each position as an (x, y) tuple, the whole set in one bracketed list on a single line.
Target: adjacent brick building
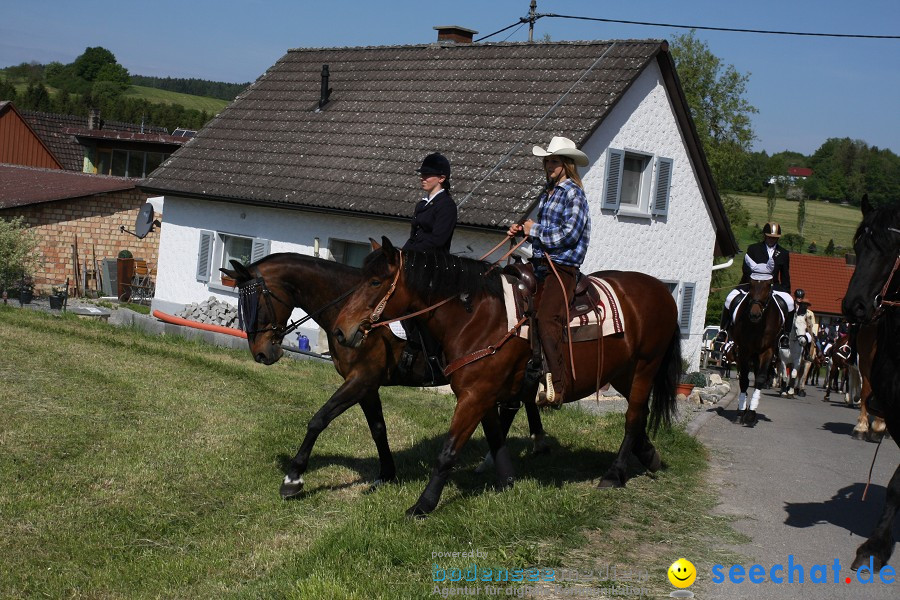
[(63, 206)]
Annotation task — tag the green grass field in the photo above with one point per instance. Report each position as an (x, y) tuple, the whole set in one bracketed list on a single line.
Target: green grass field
[(148, 467), (157, 96), (824, 221)]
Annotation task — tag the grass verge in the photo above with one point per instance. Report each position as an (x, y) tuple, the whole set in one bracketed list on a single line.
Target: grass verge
[(137, 466)]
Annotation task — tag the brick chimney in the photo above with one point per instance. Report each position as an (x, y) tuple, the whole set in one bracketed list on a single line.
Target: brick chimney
[(455, 33)]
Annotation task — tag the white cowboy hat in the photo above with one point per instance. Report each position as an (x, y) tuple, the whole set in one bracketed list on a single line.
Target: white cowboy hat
[(560, 146)]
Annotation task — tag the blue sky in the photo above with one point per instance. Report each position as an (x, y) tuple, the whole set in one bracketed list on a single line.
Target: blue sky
[(806, 89)]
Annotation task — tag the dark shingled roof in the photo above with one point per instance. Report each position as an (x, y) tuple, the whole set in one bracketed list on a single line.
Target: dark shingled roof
[(52, 129), (21, 186), (390, 106)]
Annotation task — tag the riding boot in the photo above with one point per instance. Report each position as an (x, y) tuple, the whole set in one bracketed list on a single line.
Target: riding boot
[(724, 324), (555, 354), (784, 341), (407, 358)]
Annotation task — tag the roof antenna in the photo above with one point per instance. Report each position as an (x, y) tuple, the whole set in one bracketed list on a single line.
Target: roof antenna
[(326, 91)]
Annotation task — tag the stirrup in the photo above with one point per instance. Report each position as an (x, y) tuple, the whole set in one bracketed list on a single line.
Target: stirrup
[(784, 341), (407, 358), (548, 396)]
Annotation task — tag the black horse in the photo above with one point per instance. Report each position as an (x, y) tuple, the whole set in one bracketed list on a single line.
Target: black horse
[(873, 296)]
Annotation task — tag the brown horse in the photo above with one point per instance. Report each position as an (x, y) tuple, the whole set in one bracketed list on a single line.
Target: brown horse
[(861, 391), (755, 331), (838, 356), (873, 296), (270, 289), (472, 327)]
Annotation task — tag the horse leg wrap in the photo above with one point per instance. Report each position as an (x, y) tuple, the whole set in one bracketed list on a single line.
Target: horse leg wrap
[(754, 401), (742, 401)]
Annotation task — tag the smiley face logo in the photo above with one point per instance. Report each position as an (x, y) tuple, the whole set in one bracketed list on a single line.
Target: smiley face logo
[(682, 573)]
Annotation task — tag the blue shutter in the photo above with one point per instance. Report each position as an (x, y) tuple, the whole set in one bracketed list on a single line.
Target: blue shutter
[(615, 160), (663, 185), (204, 255), (260, 249), (687, 307)]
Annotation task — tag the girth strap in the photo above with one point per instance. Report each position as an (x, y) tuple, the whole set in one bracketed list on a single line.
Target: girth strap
[(479, 354)]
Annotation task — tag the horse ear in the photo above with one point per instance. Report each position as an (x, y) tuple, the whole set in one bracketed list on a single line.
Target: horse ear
[(239, 272), (386, 244), (375, 245), (866, 207)]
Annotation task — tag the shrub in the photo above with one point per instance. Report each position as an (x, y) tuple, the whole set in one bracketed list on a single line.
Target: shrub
[(18, 252), (695, 378), (125, 254)]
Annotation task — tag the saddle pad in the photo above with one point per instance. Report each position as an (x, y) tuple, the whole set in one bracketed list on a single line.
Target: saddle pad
[(609, 307)]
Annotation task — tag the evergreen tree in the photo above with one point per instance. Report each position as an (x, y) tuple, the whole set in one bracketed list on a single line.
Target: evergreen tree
[(770, 201)]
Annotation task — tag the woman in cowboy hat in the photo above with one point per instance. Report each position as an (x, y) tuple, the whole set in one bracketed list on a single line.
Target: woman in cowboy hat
[(561, 234)]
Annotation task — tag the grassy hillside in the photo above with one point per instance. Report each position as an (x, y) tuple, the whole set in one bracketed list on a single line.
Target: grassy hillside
[(211, 105), (824, 221)]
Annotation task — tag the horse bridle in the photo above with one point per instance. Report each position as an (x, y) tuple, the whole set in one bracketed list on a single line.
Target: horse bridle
[(258, 286), (879, 302)]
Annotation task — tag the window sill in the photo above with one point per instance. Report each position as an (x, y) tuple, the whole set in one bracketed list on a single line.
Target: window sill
[(633, 212), (215, 286)]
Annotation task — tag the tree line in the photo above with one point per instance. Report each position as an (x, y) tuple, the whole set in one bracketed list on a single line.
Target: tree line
[(195, 87), (96, 80)]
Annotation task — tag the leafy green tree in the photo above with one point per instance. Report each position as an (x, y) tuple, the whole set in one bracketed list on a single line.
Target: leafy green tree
[(89, 64), (7, 91), (829, 249), (716, 95), (771, 194), (737, 213), (36, 97), (19, 254), (115, 74)]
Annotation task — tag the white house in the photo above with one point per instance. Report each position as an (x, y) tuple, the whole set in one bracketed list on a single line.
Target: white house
[(319, 155)]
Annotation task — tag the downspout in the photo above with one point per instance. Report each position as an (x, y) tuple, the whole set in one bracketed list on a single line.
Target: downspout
[(724, 265)]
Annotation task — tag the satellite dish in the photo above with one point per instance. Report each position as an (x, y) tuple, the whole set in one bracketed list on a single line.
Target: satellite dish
[(144, 223)]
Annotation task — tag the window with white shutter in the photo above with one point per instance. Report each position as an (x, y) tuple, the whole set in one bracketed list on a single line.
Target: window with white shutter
[(661, 189), (614, 164), (687, 307), (204, 255)]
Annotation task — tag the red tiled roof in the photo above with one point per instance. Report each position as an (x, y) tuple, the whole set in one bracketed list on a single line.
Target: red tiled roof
[(800, 171), (823, 278), (21, 186)]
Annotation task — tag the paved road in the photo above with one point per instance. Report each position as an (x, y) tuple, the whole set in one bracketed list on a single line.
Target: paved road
[(796, 479)]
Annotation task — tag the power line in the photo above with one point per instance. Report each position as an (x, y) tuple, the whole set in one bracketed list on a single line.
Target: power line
[(535, 17)]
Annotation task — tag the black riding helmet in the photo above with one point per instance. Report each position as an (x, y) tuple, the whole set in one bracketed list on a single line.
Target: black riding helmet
[(435, 164), (800, 294)]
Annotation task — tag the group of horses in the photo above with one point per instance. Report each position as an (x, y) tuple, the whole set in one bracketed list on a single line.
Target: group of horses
[(459, 301)]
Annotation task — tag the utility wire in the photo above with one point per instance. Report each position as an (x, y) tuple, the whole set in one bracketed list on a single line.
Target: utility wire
[(701, 27)]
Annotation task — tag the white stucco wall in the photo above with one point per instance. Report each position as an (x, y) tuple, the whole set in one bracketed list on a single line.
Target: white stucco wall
[(675, 248)]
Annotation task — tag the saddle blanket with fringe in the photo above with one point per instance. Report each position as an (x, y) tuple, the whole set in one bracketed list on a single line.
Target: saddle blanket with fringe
[(583, 327)]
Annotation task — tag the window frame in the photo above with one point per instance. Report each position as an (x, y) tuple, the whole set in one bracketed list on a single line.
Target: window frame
[(654, 189)]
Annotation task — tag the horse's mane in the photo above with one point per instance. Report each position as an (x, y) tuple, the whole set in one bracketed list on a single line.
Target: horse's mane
[(877, 224), (437, 275), (289, 257)]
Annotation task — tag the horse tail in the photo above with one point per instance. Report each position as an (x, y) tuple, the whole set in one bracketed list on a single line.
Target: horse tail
[(663, 407)]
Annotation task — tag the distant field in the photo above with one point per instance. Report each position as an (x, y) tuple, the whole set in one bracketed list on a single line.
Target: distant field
[(824, 221), (211, 105)]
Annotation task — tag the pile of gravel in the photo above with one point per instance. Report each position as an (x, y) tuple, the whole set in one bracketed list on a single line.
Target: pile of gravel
[(211, 312)]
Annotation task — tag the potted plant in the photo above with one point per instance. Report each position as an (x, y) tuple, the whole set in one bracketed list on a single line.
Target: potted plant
[(689, 381), (58, 295), (26, 289)]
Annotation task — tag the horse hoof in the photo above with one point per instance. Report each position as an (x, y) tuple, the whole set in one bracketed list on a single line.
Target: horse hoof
[(862, 560), (610, 482), (380, 483), (486, 463), (655, 462), (859, 435), (291, 488), (802, 393), (417, 511), (540, 445)]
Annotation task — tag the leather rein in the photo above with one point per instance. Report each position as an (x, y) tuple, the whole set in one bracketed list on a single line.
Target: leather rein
[(250, 306), (375, 318)]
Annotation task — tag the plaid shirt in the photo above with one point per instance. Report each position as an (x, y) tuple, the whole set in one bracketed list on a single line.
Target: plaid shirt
[(563, 226)]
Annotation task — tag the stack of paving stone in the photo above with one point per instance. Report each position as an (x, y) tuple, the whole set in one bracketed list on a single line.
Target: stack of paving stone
[(211, 312)]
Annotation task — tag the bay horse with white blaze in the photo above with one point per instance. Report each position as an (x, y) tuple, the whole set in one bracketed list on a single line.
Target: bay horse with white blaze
[(268, 292), (873, 295), (755, 331), (470, 321)]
